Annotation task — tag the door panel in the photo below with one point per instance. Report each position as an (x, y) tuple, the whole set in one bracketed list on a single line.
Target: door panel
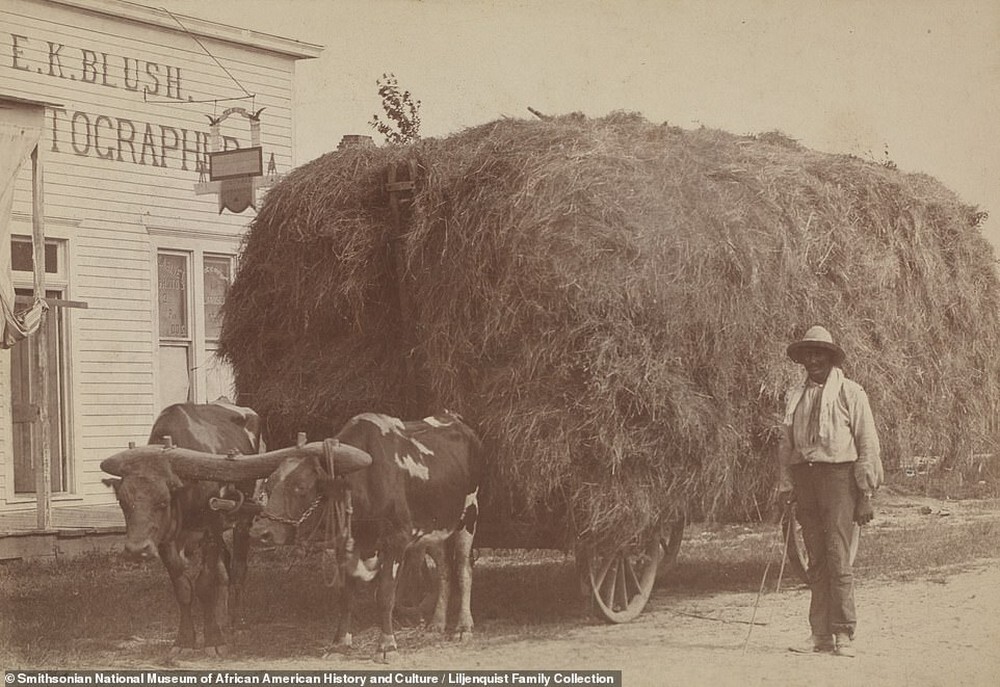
[(26, 439)]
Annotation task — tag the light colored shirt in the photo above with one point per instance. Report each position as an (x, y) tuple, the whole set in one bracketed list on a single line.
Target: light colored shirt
[(848, 433)]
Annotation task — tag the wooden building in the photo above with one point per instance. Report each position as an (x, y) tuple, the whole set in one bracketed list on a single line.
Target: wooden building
[(121, 97)]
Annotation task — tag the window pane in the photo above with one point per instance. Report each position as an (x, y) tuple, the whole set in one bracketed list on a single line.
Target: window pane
[(22, 258), (51, 258), (218, 379), (218, 274), (175, 375), (173, 278)]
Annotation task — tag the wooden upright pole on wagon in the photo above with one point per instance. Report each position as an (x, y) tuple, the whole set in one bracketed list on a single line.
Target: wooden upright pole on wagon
[(43, 471)]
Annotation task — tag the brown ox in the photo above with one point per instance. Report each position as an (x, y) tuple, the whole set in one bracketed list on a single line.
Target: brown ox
[(167, 515), (420, 490)]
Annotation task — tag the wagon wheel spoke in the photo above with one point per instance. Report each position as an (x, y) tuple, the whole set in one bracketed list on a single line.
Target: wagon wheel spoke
[(610, 582), (598, 579), (622, 594), (671, 535), (621, 580), (634, 583), (798, 558)]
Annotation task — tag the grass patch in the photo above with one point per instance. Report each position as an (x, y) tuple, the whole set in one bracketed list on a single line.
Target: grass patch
[(908, 553)]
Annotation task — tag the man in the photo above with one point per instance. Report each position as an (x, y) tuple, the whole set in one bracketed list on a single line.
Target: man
[(829, 466)]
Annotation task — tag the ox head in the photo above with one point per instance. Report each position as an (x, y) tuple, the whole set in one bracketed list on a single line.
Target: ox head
[(145, 492), (156, 483), (304, 504), (290, 496)]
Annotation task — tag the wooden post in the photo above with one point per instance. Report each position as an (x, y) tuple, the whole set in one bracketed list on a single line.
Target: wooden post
[(43, 467), (401, 182)]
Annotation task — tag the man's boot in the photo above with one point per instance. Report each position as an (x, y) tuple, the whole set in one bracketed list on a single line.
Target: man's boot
[(845, 645), (815, 643)]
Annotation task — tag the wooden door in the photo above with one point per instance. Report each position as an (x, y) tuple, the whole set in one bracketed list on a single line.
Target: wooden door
[(25, 412)]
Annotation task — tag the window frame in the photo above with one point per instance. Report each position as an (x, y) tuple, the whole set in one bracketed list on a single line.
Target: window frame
[(201, 349), (231, 259)]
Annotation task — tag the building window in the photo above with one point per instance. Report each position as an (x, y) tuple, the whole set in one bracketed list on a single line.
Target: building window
[(172, 277), (174, 320), (218, 275), (190, 323), (22, 256)]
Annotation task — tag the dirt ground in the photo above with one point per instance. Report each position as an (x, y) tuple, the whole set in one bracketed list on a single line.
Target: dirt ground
[(938, 631), (937, 628)]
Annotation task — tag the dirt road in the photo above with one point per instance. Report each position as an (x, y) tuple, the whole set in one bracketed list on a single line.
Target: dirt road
[(937, 628), (938, 631), (919, 629)]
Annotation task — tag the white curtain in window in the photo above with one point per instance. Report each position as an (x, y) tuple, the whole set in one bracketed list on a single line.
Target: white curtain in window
[(16, 144)]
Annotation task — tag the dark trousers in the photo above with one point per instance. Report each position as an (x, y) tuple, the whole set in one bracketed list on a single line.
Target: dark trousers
[(824, 495)]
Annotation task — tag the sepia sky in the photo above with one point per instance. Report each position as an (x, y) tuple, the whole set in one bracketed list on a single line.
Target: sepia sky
[(914, 81)]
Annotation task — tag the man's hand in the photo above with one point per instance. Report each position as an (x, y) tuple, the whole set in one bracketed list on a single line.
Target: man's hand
[(863, 511), (785, 501)]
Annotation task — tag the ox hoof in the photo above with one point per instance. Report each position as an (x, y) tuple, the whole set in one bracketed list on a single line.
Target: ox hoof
[(219, 651), (337, 650), (340, 647), (387, 655), (462, 635), (437, 627)]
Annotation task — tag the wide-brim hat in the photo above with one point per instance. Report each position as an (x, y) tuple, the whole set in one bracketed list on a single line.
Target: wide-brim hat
[(816, 337)]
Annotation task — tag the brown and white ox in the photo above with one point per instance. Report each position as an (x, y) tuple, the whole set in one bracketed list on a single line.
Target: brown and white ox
[(420, 490), (167, 514)]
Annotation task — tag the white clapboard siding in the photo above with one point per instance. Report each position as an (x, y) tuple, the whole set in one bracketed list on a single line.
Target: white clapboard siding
[(128, 95), (6, 424)]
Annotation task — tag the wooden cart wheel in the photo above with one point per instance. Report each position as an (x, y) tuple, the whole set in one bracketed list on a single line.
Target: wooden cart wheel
[(621, 581), (798, 556)]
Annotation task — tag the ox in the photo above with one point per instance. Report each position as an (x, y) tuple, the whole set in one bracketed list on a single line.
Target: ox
[(167, 514), (420, 490)]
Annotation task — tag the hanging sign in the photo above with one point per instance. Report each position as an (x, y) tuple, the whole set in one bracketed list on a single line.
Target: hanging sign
[(236, 175), (237, 194), (242, 162)]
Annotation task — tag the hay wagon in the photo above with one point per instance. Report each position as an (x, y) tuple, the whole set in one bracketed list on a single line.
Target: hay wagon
[(608, 302)]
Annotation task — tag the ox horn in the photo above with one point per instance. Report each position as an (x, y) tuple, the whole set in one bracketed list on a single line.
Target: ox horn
[(122, 462), (206, 466)]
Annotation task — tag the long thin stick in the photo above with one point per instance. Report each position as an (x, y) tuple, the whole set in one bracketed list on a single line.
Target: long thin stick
[(718, 620), (763, 580), (784, 552)]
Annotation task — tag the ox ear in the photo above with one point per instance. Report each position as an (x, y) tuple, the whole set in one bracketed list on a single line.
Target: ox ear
[(174, 482), (113, 482)]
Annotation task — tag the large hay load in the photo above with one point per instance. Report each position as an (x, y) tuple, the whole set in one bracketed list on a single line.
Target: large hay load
[(609, 302)]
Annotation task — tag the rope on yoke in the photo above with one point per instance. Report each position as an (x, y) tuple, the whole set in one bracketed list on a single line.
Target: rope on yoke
[(338, 524)]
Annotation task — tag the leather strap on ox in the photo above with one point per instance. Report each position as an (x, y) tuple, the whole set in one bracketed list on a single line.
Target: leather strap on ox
[(338, 524)]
